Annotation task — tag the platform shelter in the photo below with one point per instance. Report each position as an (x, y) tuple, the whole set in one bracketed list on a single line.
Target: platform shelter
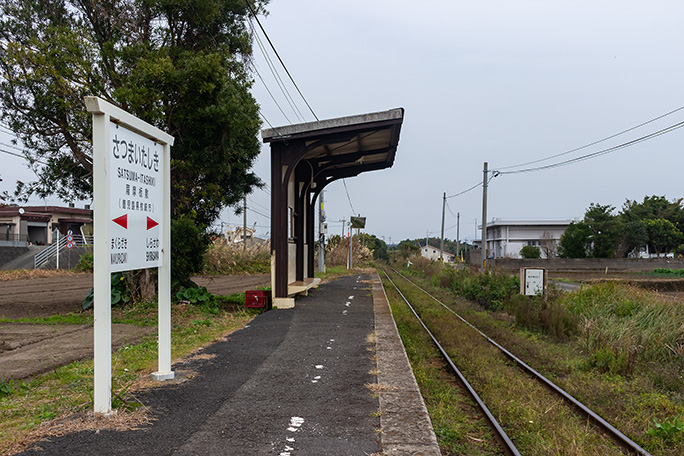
[(304, 159)]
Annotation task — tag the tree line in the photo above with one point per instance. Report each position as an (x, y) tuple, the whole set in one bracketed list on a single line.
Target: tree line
[(654, 223)]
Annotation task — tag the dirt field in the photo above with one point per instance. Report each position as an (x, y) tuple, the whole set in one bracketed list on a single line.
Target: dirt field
[(28, 349)]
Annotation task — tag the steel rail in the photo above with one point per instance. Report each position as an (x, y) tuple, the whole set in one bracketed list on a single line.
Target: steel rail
[(598, 420), (505, 440)]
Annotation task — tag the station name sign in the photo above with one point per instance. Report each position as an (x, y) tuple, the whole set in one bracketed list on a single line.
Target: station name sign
[(136, 191)]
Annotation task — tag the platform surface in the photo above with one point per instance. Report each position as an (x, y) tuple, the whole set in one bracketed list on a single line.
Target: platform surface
[(305, 381)]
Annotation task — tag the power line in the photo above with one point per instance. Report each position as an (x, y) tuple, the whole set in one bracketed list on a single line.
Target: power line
[(258, 213), (449, 207), (595, 142), (279, 59), (348, 198), (466, 191), (276, 75), (598, 153), (22, 157), (272, 97), (263, 207)]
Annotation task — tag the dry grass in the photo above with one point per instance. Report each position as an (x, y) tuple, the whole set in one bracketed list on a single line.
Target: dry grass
[(338, 254), (231, 259), (24, 274), (80, 422)]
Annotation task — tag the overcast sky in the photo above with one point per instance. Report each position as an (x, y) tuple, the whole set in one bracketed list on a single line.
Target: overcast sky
[(497, 81)]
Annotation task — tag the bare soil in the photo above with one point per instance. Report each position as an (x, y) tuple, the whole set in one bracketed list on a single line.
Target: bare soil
[(30, 349)]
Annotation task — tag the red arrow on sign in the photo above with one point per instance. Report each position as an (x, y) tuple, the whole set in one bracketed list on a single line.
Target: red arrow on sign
[(123, 221), (151, 223)]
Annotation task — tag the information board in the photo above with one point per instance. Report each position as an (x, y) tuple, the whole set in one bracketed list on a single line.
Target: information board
[(533, 280), (137, 198)]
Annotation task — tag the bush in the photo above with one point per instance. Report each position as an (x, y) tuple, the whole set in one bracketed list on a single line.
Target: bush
[(531, 252), (188, 245), (85, 263), (489, 289)]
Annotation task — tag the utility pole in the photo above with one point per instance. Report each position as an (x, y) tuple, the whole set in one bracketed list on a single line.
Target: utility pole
[(351, 232), (321, 235), (458, 234), (484, 217), (441, 243), (244, 225)]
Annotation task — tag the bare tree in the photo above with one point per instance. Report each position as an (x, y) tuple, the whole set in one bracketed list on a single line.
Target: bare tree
[(548, 244)]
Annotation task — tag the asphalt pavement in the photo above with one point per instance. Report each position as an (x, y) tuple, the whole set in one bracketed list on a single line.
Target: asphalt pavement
[(295, 382)]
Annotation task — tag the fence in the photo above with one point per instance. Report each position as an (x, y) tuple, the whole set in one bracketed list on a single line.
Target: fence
[(45, 256)]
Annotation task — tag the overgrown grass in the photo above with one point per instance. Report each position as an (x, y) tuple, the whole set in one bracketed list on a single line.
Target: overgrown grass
[(666, 272), (623, 326), (537, 421), (230, 259), (621, 353), (68, 389), (489, 289), (451, 411)]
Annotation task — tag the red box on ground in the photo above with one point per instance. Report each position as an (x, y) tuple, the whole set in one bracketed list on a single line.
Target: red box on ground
[(258, 299)]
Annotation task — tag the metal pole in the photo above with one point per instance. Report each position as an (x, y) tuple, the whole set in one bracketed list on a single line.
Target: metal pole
[(458, 234), (484, 217), (441, 242), (351, 231), (57, 246), (321, 235), (244, 226)]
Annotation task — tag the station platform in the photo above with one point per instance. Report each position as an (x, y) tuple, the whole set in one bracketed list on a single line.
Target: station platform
[(327, 377)]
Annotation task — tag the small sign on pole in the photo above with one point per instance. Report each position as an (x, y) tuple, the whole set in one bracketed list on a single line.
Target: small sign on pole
[(532, 281), (132, 219)]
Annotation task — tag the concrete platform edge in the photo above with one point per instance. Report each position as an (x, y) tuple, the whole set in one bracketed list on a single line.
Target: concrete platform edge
[(405, 426)]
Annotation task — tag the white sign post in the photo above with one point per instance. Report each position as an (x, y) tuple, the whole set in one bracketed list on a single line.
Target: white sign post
[(132, 223)]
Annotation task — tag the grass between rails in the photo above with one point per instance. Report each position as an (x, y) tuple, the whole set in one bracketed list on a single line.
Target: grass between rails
[(536, 421), (459, 428), (51, 403), (619, 364)]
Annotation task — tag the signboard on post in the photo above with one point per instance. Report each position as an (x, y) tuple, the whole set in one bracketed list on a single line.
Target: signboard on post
[(532, 281), (358, 222), (132, 220), (137, 200)]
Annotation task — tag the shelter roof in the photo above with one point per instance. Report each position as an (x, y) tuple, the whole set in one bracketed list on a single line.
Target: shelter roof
[(345, 146)]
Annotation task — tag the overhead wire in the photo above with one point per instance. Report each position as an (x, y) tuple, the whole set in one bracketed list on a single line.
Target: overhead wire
[(276, 75), (279, 59), (595, 142), (23, 157), (466, 191), (348, 198), (595, 154)]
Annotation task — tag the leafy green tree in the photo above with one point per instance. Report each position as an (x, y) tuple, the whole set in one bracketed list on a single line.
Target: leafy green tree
[(575, 241), (180, 65), (408, 248), (637, 218), (605, 230), (378, 246), (633, 234), (663, 235), (530, 252)]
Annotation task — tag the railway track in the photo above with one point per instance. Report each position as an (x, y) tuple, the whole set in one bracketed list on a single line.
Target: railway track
[(506, 442)]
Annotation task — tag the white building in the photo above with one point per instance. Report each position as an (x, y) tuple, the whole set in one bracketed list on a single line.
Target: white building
[(505, 238), (432, 253)]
